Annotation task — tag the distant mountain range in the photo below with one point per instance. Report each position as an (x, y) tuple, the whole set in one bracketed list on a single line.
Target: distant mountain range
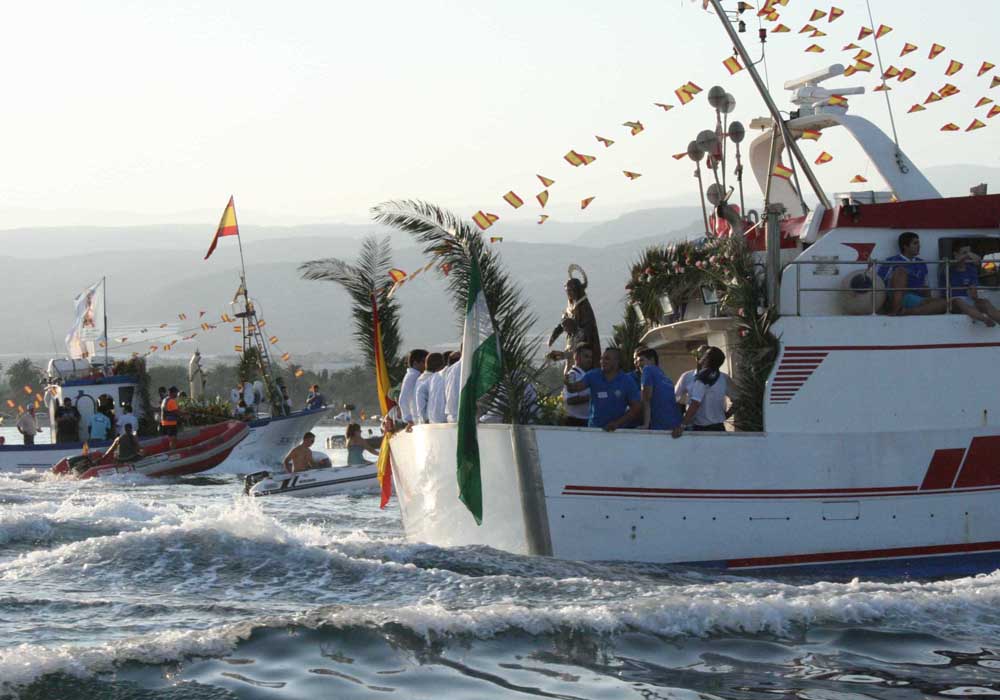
[(156, 272)]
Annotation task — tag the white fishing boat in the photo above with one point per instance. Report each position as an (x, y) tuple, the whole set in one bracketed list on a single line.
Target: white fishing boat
[(314, 482), (880, 445)]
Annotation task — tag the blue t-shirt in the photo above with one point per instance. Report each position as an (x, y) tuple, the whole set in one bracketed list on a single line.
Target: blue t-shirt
[(916, 275), (663, 411), (100, 427), (969, 277), (609, 400)]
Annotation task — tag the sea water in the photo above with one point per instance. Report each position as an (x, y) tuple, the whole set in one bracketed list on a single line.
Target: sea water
[(167, 589)]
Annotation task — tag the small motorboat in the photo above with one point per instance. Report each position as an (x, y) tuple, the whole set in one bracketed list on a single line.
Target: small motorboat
[(313, 482), (195, 451)]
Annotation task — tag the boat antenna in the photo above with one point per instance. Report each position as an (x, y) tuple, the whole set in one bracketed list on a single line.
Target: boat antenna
[(104, 289), (779, 121), (878, 55)]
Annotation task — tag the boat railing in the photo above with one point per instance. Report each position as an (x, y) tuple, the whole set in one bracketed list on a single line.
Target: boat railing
[(878, 293)]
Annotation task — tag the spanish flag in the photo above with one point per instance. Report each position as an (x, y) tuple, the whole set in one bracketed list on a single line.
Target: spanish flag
[(817, 14), (630, 175), (835, 13), (780, 29), (865, 31), (837, 100), (858, 178), (953, 67), (811, 134), (933, 97), (546, 182), (586, 202), (397, 275), (976, 124), (814, 48), (543, 198), (607, 142), (385, 403), (906, 74), (983, 101), (935, 51), (994, 82), (882, 31), (512, 199), (908, 48), (542, 218), (577, 159), (732, 65), (662, 105), (951, 127), (781, 171), (227, 227), (985, 68), (634, 127), (823, 158), (994, 110), (484, 219)]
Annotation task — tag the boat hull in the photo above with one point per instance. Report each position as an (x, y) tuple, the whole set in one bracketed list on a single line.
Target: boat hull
[(916, 503), (317, 482), (196, 451), (268, 442)]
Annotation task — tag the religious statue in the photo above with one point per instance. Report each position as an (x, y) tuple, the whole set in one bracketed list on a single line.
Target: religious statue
[(578, 321), (196, 377)]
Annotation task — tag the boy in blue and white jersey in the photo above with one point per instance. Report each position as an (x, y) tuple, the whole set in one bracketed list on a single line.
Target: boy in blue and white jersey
[(909, 295), (963, 278)]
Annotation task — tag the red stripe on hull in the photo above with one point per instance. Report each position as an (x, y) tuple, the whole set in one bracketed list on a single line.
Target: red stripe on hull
[(863, 555)]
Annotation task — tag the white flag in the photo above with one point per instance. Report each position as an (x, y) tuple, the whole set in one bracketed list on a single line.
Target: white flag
[(89, 317)]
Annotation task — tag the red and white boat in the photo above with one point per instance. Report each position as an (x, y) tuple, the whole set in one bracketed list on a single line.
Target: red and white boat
[(880, 448), (196, 450)]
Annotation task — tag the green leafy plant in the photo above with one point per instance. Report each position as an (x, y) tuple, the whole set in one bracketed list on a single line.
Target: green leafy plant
[(452, 243), (368, 275)]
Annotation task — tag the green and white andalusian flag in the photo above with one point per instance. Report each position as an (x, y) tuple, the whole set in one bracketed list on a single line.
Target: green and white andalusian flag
[(480, 372)]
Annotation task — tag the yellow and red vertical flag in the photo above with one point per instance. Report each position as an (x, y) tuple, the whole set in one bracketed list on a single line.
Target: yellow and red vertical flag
[(227, 226), (732, 65), (782, 172), (512, 199), (936, 50), (385, 403)]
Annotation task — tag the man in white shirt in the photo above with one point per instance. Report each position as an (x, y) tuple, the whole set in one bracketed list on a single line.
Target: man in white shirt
[(436, 398), (435, 361), (128, 418), (27, 425), (408, 389), (452, 387), (682, 389), (578, 403), (711, 387)]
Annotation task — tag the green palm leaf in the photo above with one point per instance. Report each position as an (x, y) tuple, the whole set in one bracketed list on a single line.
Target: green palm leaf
[(368, 275), (451, 241)]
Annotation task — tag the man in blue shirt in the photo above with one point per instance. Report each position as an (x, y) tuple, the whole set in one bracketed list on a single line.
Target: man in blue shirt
[(963, 278), (659, 407), (614, 395), (909, 295), (100, 426)]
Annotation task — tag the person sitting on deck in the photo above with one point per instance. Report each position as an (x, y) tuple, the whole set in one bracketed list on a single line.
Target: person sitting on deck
[(614, 395), (963, 278), (126, 448), (578, 403), (300, 457), (659, 408), (706, 410), (907, 284), (315, 398)]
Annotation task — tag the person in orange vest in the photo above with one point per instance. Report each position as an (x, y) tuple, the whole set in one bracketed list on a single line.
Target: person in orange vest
[(169, 415)]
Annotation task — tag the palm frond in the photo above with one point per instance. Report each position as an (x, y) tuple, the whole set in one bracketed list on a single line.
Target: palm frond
[(450, 241), (368, 275)]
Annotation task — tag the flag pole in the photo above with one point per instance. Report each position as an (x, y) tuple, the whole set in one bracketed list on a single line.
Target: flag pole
[(104, 290)]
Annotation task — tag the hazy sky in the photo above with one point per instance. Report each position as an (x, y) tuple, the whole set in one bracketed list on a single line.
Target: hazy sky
[(316, 110)]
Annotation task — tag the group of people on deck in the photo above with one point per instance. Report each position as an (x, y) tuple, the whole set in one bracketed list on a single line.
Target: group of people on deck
[(905, 276), (608, 397), (430, 389)]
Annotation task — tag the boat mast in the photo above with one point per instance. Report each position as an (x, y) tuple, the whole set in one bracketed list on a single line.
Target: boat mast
[(252, 336), (104, 291), (779, 121)]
